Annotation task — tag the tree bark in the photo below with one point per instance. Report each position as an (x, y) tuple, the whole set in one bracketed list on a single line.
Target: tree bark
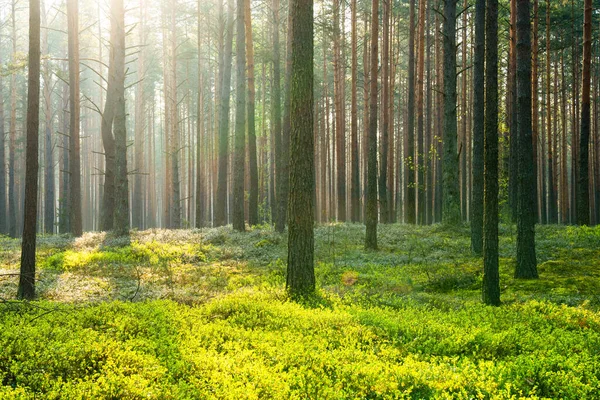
[(300, 269), (239, 166), (371, 200), (74, 112), (478, 128), (252, 159), (491, 277), (583, 190), (409, 154), (526, 260), (450, 190), (355, 175), (26, 289)]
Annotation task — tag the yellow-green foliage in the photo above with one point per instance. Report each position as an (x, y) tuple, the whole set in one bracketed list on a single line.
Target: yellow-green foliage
[(403, 322), (259, 346)]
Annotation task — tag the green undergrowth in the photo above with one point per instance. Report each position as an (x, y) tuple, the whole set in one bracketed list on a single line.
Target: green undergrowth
[(203, 314)]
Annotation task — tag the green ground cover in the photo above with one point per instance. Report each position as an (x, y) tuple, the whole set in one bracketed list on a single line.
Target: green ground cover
[(203, 314)]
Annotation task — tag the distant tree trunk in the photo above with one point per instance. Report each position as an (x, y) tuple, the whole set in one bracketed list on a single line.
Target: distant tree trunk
[(491, 278), (366, 123), (252, 159), (74, 112), (26, 289), (121, 215), (239, 166), (511, 100), (3, 215), (420, 119), (340, 133), (300, 269), (49, 194), (534, 104), (63, 213), (371, 208), (478, 128), (12, 141), (451, 194), (138, 208), (355, 175), (284, 173), (385, 111), (276, 106), (221, 202), (552, 218), (526, 260), (429, 138), (409, 153), (583, 190), (200, 189)]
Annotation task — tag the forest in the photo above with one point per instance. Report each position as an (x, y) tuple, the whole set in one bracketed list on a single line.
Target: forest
[(299, 199)]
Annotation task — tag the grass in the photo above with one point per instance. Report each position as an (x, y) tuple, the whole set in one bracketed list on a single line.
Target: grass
[(203, 314)]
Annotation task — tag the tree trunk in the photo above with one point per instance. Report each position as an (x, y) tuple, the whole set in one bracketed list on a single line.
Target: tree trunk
[(385, 98), (371, 207), (409, 153), (478, 128), (74, 112), (49, 194), (300, 268), (221, 201), (121, 215), (552, 219), (491, 278), (526, 259), (420, 120), (340, 131), (583, 190), (534, 105), (252, 159), (26, 289), (276, 111), (450, 190), (239, 166), (355, 175), (12, 141), (138, 208)]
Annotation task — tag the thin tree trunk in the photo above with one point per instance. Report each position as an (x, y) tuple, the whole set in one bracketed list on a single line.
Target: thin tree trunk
[(583, 190), (74, 111), (478, 128), (355, 176), (409, 154), (252, 159), (239, 166), (371, 207)]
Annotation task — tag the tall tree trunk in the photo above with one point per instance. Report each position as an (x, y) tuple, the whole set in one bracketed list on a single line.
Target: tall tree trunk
[(534, 105), (583, 190), (451, 194), (138, 208), (355, 175), (552, 219), (252, 159), (26, 289), (300, 268), (385, 98), (478, 128), (526, 260), (491, 278), (371, 200), (420, 120), (121, 215), (3, 215), (12, 141), (221, 202), (49, 194), (239, 166), (276, 112), (340, 131), (409, 153), (511, 100), (74, 112)]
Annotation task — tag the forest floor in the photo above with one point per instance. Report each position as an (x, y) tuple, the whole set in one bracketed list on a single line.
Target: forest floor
[(203, 314)]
